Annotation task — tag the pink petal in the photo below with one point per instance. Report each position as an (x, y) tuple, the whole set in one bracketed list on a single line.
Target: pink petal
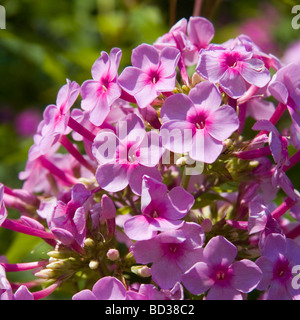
[(131, 129), (145, 57), (219, 251), (254, 72), (147, 251), (150, 150), (105, 146), (84, 295), (197, 279), (210, 67), (233, 83), (206, 95), (152, 191), (200, 31), (205, 148), (181, 199), (101, 66), (246, 275), (222, 123), (177, 136), (109, 288), (168, 62), (136, 174), (112, 177), (176, 107), (218, 292), (138, 228), (279, 91), (166, 273)]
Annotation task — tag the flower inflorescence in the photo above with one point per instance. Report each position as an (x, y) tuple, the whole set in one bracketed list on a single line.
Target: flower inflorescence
[(160, 195)]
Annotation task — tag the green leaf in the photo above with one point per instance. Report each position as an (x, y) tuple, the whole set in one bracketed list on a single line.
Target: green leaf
[(22, 245), (207, 199)]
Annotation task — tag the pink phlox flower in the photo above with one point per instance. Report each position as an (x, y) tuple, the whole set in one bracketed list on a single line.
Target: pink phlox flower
[(219, 274), (277, 260), (278, 145), (171, 253), (161, 210), (233, 69), (244, 42), (261, 221), (189, 37), (68, 220), (285, 87), (6, 292), (55, 117), (103, 90), (196, 123), (126, 156), (152, 72), (3, 211), (108, 288)]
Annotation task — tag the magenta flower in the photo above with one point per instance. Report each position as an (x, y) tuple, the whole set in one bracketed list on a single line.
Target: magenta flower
[(189, 37), (124, 158), (197, 123), (279, 256), (152, 73), (67, 221), (3, 212), (234, 69), (6, 292), (108, 288), (56, 117), (284, 86), (100, 93), (200, 33), (279, 149), (161, 210), (218, 274), (171, 253)]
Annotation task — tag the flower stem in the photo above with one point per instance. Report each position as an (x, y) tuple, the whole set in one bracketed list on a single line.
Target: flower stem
[(46, 292), (283, 208), (66, 143), (67, 179), (76, 126), (243, 225), (294, 233), (294, 159), (24, 266), (197, 8), (275, 117), (19, 227)]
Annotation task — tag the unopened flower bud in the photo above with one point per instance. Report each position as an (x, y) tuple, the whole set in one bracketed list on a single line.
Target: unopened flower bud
[(45, 274), (113, 254), (142, 271), (181, 161), (88, 242), (94, 264), (60, 264)]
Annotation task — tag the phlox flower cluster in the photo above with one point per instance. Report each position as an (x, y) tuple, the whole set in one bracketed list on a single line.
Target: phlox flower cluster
[(146, 183)]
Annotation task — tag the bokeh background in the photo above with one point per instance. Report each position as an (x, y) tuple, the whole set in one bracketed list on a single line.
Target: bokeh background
[(46, 42)]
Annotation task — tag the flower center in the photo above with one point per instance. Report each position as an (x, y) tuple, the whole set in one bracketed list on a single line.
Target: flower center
[(200, 124), (154, 77), (173, 248), (232, 59), (221, 275)]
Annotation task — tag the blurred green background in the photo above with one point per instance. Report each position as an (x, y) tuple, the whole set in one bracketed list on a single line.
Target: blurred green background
[(46, 42)]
